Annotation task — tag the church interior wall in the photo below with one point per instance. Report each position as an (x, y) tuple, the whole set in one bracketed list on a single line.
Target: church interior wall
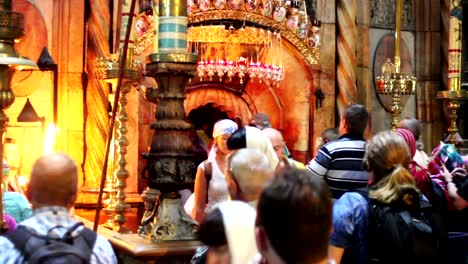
[(293, 106)]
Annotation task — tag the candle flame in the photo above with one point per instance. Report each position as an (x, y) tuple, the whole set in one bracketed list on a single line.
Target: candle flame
[(49, 139)]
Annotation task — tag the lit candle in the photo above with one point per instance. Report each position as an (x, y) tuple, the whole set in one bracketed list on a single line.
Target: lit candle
[(398, 35), (455, 45)]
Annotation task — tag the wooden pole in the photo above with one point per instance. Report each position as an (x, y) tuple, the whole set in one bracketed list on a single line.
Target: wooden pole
[(123, 62)]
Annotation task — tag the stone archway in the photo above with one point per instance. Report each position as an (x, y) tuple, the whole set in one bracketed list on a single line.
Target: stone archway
[(287, 104), (233, 105)]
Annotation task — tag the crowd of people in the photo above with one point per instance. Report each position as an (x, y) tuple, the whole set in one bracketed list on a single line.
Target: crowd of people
[(357, 201), (377, 200)]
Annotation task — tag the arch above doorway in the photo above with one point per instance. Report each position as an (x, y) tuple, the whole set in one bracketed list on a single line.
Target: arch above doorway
[(232, 104)]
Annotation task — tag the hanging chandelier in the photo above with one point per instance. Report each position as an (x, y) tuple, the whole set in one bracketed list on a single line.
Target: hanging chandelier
[(242, 40), (229, 52)]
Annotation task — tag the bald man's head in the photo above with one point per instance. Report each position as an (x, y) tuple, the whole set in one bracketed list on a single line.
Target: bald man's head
[(54, 181), (276, 140), (249, 170)]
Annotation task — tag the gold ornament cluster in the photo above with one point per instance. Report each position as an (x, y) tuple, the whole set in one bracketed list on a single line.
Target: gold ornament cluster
[(219, 34), (289, 18), (108, 68)]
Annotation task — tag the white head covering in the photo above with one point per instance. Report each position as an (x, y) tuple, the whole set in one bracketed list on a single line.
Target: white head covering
[(224, 126), (256, 139), (221, 127), (239, 226)]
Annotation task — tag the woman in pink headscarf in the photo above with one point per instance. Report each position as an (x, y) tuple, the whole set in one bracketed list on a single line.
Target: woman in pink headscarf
[(210, 181), (420, 174)]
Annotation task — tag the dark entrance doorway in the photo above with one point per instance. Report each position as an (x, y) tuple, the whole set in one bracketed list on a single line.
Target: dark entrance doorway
[(203, 118)]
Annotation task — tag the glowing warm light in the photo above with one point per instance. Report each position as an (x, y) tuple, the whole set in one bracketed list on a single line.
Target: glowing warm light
[(49, 139), (22, 181)]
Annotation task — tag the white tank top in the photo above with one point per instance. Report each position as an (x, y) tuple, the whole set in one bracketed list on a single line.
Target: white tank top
[(217, 188)]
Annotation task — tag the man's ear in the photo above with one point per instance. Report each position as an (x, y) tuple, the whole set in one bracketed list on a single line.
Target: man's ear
[(27, 193), (261, 239), (343, 128)]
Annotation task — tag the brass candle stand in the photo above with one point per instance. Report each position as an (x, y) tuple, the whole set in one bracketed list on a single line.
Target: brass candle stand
[(392, 82), (454, 95), (395, 84), (454, 98), (11, 29)]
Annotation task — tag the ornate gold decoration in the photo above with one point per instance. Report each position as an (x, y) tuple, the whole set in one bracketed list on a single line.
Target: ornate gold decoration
[(145, 30), (230, 52), (219, 34), (393, 82), (304, 34), (151, 199), (107, 68), (173, 57)]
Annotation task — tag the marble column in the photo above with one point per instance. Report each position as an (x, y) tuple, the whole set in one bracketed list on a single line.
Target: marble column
[(346, 46), (97, 93)]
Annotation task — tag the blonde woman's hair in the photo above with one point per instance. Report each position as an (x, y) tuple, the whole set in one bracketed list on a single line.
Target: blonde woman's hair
[(388, 156)]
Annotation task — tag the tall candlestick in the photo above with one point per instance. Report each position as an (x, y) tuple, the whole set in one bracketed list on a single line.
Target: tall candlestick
[(455, 46), (398, 35)]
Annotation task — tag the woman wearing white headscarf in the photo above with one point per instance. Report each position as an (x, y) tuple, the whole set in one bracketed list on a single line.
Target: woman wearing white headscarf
[(228, 232), (213, 189), (254, 138)]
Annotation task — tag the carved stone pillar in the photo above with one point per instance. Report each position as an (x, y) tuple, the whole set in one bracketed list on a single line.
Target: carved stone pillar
[(170, 163)]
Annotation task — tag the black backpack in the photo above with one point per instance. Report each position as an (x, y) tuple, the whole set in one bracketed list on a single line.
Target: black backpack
[(399, 234), (44, 249)]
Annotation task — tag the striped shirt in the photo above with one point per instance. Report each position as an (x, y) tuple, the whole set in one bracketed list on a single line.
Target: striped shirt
[(340, 163)]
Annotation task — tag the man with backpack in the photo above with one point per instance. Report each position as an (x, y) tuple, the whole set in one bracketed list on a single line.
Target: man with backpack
[(387, 222), (51, 234)]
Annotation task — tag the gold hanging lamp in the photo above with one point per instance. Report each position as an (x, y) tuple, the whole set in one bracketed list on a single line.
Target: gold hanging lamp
[(392, 81), (11, 29)]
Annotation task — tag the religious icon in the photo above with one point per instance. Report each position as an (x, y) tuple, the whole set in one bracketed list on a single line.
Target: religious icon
[(191, 7), (236, 4), (266, 7), (293, 22), (279, 14), (313, 41), (302, 30), (143, 24), (456, 10), (219, 4), (204, 5), (251, 5)]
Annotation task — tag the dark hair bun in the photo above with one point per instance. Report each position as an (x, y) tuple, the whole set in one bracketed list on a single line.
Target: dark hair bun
[(237, 140)]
